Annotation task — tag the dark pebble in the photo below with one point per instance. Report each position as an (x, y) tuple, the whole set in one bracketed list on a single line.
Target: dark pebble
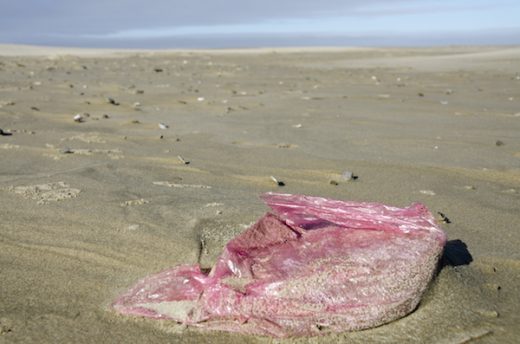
[(443, 217), (4, 133), (112, 101)]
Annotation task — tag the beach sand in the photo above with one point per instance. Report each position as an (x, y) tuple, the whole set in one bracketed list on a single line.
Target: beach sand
[(88, 208)]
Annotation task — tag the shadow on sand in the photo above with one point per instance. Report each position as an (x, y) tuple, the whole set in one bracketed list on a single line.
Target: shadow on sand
[(456, 253)]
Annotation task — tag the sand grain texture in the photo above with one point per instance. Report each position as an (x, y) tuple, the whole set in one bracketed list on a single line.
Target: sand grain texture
[(413, 124)]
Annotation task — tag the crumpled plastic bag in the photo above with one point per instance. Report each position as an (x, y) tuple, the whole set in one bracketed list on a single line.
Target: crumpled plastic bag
[(311, 267)]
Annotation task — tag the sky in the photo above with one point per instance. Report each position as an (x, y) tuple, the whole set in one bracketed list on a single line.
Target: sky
[(245, 23)]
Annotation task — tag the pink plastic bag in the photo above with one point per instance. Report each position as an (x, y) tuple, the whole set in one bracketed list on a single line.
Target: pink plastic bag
[(314, 266)]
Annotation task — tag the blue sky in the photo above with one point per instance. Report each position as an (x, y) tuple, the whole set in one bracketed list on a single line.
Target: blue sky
[(228, 23)]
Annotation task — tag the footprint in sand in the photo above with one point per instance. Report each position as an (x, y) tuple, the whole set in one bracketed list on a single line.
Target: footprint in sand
[(46, 193)]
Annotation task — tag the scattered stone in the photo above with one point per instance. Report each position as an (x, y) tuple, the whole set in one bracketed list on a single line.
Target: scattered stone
[(444, 102), (213, 204), (6, 325), (163, 126), (443, 217), (135, 121), (9, 146), (66, 151), (112, 101), (4, 133), (469, 187), (278, 182), (182, 160), (182, 186), (34, 108), (448, 91), (158, 70), (133, 227), (133, 202), (136, 106), (420, 94), (333, 182), (348, 176), (105, 116), (7, 103), (79, 118), (499, 143), (487, 313), (297, 126), (45, 193), (285, 145), (200, 99), (139, 92), (427, 192)]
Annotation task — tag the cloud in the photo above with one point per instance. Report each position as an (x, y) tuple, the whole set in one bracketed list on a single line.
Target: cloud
[(427, 7), (101, 16), (85, 22)]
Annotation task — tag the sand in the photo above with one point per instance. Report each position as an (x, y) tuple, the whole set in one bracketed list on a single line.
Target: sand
[(89, 207)]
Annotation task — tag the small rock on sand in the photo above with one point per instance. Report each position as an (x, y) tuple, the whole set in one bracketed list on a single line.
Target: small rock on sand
[(134, 202), (4, 133), (278, 182), (112, 101), (427, 192), (182, 160), (348, 176)]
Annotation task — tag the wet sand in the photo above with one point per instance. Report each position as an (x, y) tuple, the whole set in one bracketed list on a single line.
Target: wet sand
[(88, 207)]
